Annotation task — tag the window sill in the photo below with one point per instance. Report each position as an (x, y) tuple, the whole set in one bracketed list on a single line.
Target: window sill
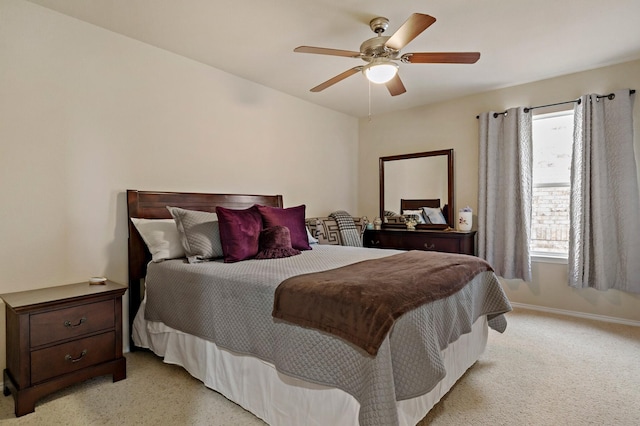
[(541, 257)]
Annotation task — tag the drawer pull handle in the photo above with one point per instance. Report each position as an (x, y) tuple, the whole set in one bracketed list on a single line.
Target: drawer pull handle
[(430, 247), (375, 243), (68, 323), (67, 357)]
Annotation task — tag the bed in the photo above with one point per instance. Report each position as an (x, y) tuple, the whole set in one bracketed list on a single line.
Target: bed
[(288, 374)]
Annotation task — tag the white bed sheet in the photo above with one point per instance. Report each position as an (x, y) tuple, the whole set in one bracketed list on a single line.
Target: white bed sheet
[(282, 400)]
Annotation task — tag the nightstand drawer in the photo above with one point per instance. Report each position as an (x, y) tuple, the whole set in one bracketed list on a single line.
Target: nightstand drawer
[(62, 324), (67, 357), (432, 244)]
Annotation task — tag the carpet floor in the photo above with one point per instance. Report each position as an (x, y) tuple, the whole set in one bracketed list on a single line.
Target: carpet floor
[(544, 370)]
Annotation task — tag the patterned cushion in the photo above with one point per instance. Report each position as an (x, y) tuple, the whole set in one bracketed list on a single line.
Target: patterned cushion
[(326, 231), (199, 234)]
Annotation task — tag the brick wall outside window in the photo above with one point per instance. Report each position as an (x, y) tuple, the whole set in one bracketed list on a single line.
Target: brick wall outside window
[(550, 219)]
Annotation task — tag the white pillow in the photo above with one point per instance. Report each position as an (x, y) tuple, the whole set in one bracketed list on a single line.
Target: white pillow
[(434, 214), (161, 237), (310, 237), (417, 213)]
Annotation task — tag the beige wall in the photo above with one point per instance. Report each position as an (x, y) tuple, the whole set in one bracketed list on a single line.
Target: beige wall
[(453, 124), (86, 114)]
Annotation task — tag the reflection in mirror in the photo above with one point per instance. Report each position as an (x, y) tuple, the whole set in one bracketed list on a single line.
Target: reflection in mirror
[(418, 176), (415, 178)]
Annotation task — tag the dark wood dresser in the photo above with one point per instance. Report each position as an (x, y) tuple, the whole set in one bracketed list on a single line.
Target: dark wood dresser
[(421, 239), (59, 336)]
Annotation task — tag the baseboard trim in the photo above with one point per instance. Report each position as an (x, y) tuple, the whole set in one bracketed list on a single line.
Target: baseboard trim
[(596, 317)]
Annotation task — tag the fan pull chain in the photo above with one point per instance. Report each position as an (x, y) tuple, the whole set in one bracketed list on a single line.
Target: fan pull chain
[(369, 101)]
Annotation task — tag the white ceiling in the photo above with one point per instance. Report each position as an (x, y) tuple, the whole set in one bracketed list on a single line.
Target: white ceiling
[(520, 41)]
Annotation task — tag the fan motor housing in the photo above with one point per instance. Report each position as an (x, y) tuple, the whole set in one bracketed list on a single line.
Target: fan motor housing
[(375, 48)]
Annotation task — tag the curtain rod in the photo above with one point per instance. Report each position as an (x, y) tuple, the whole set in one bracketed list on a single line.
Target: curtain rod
[(610, 96)]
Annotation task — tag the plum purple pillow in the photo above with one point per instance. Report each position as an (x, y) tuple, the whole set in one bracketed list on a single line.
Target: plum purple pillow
[(239, 233), (275, 242), (292, 218)]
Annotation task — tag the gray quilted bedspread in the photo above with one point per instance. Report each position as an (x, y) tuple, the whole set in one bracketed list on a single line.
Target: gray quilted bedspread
[(231, 305)]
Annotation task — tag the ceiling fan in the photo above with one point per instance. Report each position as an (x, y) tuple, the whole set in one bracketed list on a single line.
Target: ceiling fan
[(381, 52)]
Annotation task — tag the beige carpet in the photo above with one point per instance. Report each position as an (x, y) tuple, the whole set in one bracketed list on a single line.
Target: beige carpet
[(545, 370)]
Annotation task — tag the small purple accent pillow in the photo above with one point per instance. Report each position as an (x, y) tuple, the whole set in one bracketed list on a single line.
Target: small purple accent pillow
[(275, 242), (239, 233), (292, 218)]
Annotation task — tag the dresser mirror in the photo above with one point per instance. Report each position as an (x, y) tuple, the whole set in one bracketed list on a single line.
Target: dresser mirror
[(410, 180)]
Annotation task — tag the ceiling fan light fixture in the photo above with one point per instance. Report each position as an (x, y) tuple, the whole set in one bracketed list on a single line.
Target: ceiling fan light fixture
[(380, 71)]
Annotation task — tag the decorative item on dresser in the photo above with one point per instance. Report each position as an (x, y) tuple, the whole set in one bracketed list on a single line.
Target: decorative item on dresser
[(421, 239), (59, 336), (465, 219)]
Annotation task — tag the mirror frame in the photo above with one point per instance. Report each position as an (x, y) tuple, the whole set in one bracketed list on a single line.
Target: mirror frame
[(450, 214)]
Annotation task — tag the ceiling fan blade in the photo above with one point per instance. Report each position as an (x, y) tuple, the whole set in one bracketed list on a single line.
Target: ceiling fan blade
[(441, 58), (324, 51), (336, 79), (412, 27), (395, 86)]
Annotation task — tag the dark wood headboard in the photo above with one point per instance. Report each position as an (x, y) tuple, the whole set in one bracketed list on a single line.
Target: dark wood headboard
[(418, 204), (153, 205)]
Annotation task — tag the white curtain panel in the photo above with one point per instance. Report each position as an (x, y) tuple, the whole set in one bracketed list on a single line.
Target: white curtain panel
[(505, 191), (604, 240)]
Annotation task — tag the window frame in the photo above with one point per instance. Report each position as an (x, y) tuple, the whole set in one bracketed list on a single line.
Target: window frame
[(539, 255)]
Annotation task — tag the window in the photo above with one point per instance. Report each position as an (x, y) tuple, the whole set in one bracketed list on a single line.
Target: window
[(552, 143)]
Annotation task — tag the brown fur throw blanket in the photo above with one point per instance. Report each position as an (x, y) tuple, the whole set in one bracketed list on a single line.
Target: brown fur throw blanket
[(361, 301)]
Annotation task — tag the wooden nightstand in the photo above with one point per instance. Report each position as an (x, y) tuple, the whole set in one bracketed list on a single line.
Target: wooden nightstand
[(59, 336)]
